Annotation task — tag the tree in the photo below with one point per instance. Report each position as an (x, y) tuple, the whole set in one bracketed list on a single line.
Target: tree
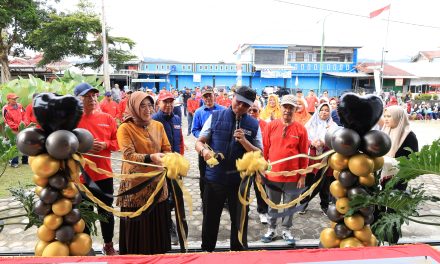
[(18, 18), (79, 34)]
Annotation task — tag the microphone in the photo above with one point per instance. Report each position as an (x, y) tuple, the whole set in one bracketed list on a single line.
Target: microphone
[(237, 124)]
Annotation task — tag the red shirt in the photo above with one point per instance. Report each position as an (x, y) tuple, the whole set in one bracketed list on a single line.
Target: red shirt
[(262, 124), (224, 101), (276, 147), (29, 115), (122, 106), (13, 116), (311, 101), (110, 107), (192, 105), (103, 128)]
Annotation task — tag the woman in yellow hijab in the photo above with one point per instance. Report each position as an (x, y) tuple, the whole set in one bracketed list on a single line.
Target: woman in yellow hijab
[(272, 110)]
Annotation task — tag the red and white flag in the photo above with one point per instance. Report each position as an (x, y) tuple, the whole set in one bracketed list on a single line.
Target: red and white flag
[(379, 11)]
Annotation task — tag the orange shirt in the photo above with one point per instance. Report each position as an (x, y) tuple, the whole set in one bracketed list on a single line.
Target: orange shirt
[(279, 144), (122, 105), (110, 107), (29, 116), (103, 128), (311, 101), (192, 105)]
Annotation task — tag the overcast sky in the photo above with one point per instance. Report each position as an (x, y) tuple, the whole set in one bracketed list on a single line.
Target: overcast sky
[(210, 31)]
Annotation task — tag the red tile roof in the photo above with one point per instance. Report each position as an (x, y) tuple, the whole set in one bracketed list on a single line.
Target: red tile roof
[(388, 69)]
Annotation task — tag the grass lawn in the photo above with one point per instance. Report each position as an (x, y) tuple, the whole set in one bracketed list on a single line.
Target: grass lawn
[(14, 176)]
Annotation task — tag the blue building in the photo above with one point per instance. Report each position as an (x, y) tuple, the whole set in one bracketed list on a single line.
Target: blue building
[(290, 66)]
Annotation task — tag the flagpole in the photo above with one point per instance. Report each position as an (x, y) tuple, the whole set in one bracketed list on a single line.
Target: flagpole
[(105, 66), (382, 66)]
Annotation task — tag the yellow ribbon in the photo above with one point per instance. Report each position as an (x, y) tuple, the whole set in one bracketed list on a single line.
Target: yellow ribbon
[(251, 163), (243, 210), (213, 161)]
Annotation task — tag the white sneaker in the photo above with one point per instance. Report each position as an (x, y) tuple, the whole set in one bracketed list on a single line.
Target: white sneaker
[(269, 236), (264, 219), (287, 236)]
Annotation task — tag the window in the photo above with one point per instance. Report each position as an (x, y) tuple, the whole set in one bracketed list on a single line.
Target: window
[(157, 67), (221, 68), (206, 67), (189, 67), (161, 67), (200, 67), (183, 67), (300, 56), (216, 67), (210, 67), (291, 56), (146, 67)]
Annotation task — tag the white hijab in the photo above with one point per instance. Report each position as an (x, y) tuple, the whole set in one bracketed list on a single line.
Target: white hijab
[(399, 133), (316, 127)]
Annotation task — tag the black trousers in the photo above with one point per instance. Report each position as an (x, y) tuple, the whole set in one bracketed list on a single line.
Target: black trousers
[(262, 206), (202, 169), (323, 188), (107, 229), (214, 197)]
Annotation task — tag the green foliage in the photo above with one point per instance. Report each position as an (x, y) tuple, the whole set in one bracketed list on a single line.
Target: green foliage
[(424, 97), (426, 161), (434, 96), (26, 196)]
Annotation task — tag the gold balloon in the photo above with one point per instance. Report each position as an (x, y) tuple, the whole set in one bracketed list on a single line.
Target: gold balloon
[(52, 221), (62, 207), (378, 163), (44, 165), (372, 242), (40, 181), (333, 224), (338, 162), (337, 190), (364, 234), (355, 222), (367, 181), (70, 191), (31, 159), (328, 238), (350, 242), (38, 190), (79, 226), (361, 165), (45, 234), (80, 245), (56, 249), (336, 174), (39, 247), (342, 205)]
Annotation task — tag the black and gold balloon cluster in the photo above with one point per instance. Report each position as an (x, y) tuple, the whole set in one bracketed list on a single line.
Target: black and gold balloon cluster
[(355, 164), (61, 233)]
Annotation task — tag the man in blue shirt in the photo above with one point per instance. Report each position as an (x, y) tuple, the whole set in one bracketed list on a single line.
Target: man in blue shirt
[(231, 132), (200, 117)]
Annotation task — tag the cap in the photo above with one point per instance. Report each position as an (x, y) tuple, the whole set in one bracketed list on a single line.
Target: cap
[(207, 89), (108, 94), (129, 92), (245, 94), (83, 88), (11, 96), (165, 95), (289, 99)]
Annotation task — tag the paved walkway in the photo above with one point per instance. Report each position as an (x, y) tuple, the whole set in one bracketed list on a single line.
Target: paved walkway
[(306, 227)]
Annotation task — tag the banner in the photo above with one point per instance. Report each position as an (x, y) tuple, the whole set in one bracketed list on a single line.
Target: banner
[(268, 73), (197, 77), (377, 82)]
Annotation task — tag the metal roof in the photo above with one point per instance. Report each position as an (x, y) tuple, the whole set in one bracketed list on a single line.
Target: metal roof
[(349, 74), (155, 72)]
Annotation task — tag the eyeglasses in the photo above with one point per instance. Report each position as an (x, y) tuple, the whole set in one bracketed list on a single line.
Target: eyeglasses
[(253, 110)]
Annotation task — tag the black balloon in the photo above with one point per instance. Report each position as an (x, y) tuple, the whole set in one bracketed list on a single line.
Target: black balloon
[(54, 112), (77, 199), (333, 214), (49, 195), (58, 181), (30, 141), (342, 231), (368, 219), (367, 210), (376, 143), (72, 217), (347, 179), (346, 141), (360, 113), (61, 144), (328, 137), (356, 191), (41, 208), (85, 139), (65, 233)]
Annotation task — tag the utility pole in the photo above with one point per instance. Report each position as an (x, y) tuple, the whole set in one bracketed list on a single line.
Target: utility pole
[(105, 64), (322, 55)]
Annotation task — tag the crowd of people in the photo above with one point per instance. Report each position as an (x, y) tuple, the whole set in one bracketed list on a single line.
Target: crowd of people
[(144, 126)]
